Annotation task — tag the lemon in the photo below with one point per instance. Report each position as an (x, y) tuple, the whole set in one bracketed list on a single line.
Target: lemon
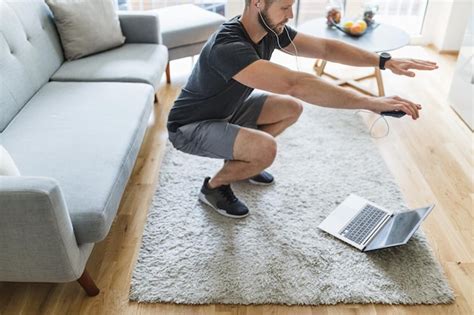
[(347, 25), (363, 25)]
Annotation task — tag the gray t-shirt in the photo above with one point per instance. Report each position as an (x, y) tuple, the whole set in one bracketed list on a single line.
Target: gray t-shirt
[(210, 92)]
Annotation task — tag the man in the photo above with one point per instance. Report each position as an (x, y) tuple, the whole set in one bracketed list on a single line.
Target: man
[(218, 115)]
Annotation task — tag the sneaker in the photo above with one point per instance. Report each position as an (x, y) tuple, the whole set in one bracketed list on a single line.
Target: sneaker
[(264, 178), (223, 200)]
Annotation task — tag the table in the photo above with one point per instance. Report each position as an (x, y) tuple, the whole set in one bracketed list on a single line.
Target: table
[(383, 37)]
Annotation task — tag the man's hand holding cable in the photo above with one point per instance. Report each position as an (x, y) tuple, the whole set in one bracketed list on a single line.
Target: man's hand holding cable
[(390, 103)]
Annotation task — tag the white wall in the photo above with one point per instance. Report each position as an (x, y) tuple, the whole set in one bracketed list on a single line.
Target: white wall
[(234, 7), (461, 94), (445, 23), (460, 13)]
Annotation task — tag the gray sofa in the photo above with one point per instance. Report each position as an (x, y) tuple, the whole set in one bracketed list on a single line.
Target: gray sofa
[(74, 129)]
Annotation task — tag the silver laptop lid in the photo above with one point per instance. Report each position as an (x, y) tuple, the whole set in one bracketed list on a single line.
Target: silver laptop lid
[(399, 229)]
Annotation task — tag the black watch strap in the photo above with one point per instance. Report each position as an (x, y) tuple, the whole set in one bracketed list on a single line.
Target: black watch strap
[(384, 57)]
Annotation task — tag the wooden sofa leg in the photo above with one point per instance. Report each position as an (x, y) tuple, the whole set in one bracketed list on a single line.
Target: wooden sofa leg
[(88, 284), (168, 75)]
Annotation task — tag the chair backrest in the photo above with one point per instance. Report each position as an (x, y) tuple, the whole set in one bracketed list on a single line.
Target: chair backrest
[(30, 52)]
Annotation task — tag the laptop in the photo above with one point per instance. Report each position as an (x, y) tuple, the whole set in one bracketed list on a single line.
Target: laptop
[(368, 226)]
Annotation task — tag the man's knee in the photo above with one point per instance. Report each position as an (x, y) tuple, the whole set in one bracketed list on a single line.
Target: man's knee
[(296, 109), (267, 151), (255, 146)]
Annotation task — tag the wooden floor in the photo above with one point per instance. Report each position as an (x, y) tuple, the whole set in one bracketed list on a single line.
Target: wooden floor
[(431, 159)]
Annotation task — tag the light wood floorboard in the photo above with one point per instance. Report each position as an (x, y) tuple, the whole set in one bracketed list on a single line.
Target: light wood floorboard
[(431, 160)]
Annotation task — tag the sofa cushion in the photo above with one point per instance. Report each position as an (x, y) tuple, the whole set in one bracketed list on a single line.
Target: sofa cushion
[(187, 24), (7, 165), (86, 136), (30, 52), (143, 63), (78, 23)]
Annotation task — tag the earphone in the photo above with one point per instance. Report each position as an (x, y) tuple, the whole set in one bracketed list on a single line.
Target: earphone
[(276, 36)]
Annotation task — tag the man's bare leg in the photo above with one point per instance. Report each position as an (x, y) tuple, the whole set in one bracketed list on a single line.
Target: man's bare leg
[(254, 151), (278, 113)]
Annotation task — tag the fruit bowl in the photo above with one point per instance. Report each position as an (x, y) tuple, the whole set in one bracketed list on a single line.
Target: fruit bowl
[(350, 28)]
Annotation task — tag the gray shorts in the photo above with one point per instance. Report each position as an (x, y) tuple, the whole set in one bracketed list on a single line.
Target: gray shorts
[(215, 138)]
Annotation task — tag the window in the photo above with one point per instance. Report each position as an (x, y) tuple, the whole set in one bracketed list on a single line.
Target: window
[(405, 14), (217, 6), (306, 10)]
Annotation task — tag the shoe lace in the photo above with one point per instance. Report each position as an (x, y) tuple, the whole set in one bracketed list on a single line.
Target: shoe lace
[(227, 193)]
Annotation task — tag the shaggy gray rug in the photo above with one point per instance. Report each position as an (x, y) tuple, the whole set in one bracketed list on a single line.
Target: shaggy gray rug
[(192, 255)]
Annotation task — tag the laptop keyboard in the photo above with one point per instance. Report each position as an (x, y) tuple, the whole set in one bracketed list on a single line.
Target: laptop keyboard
[(363, 224)]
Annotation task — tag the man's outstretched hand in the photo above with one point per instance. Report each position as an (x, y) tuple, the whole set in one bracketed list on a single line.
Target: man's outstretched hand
[(394, 103), (402, 66)]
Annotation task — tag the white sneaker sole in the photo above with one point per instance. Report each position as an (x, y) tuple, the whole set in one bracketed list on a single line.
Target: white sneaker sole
[(251, 181), (203, 199)]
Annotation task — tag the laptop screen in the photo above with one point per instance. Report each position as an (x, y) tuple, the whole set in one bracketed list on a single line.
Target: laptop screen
[(398, 229)]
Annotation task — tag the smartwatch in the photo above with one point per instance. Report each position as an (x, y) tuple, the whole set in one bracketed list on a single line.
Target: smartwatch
[(384, 57)]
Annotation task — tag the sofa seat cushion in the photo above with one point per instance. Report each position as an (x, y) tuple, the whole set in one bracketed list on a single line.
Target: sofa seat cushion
[(144, 63), (187, 24), (87, 137)]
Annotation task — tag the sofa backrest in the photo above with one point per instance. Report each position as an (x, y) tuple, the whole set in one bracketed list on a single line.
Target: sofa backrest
[(30, 52)]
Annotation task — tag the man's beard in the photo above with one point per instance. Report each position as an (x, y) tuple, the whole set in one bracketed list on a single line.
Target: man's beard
[(269, 27)]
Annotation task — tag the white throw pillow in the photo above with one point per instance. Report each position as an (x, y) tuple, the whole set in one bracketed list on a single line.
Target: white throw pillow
[(7, 166), (86, 26)]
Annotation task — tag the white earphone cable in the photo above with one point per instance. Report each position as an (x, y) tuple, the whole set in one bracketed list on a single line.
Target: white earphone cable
[(375, 122), (278, 41)]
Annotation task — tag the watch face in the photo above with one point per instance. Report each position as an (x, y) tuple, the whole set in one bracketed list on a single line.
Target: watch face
[(385, 55)]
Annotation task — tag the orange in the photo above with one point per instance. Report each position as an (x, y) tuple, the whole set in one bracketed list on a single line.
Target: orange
[(356, 29)]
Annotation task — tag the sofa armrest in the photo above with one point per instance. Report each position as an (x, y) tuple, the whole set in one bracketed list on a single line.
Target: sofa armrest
[(140, 26), (37, 242)]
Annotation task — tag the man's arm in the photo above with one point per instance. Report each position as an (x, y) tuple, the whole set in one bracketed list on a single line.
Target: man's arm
[(337, 51), (332, 50), (268, 76)]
